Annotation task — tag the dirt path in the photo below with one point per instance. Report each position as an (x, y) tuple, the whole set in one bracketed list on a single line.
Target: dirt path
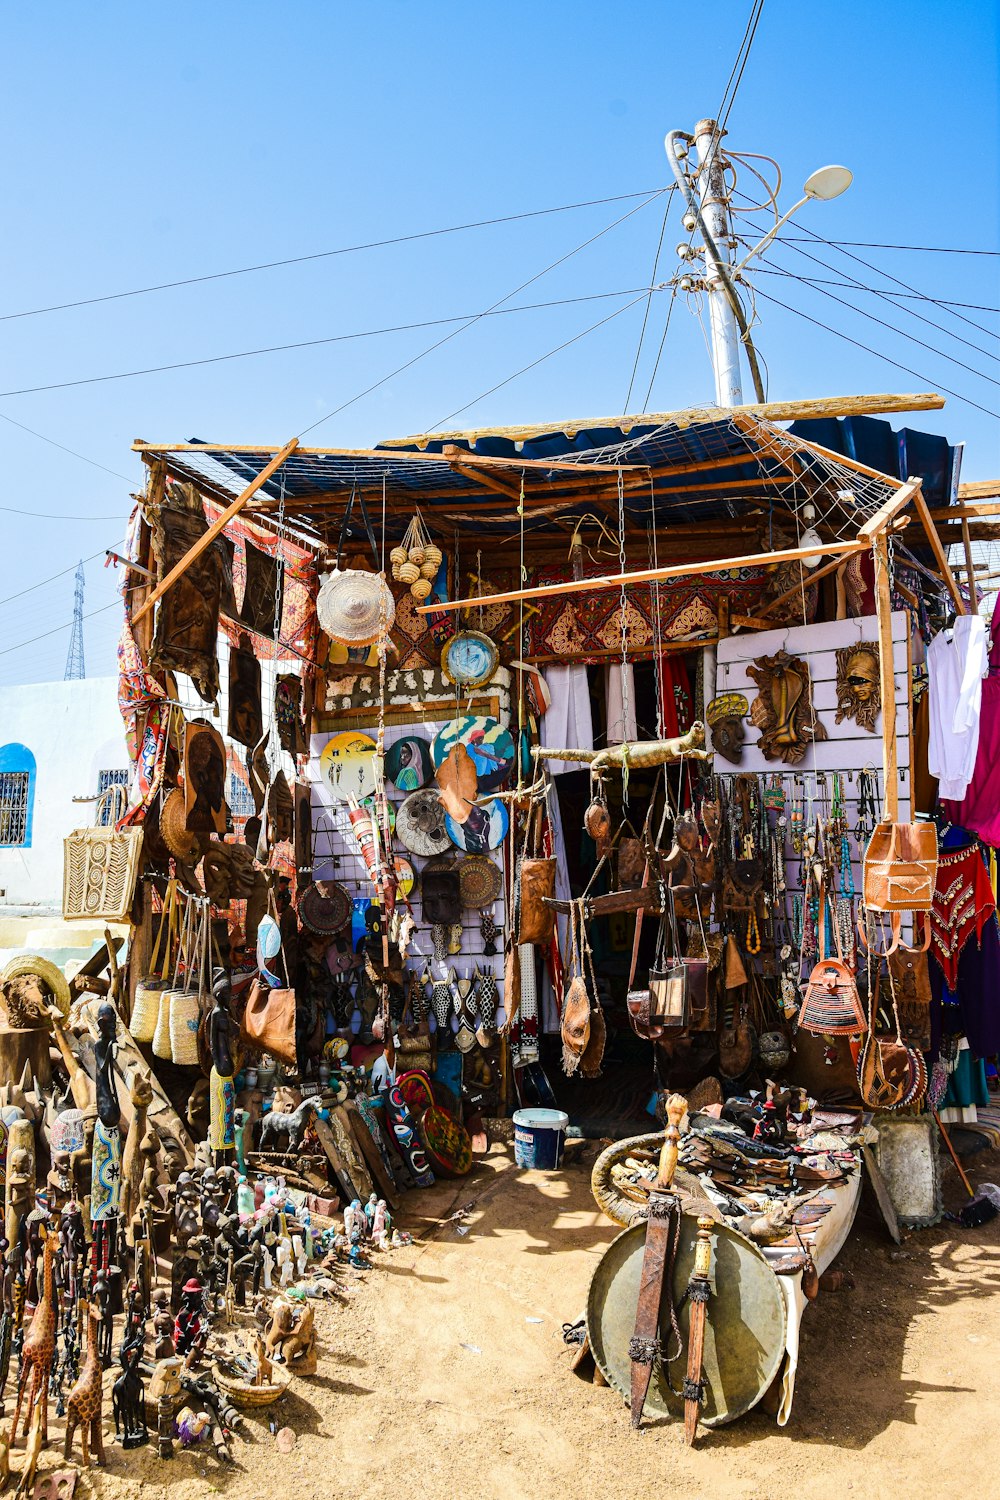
[(445, 1375)]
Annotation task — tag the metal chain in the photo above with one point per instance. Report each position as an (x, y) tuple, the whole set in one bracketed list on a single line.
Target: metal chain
[(623, 605)]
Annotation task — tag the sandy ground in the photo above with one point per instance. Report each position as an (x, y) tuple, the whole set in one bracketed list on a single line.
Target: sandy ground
[(444, 1373)]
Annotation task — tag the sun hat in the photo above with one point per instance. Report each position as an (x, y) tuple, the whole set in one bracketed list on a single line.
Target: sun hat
[(182, 844), (355, 607), (52, 977)]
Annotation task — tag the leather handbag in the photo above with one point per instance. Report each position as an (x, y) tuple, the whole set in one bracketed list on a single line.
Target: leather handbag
[(831, 1005), (737, 1047), (911, 984), (269, 1021), (743, 885), (537, 922), (900, 867)]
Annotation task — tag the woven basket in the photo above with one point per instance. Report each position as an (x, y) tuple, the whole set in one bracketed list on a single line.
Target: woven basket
[(185, 1013), (242, 1393), (146, 1008), (101, 864), (161, 1032)]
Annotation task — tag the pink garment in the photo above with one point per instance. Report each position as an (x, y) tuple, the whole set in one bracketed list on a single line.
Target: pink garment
[(979, 809), (995, 638)]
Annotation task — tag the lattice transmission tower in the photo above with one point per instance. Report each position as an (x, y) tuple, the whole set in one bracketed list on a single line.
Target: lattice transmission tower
[(74, 656)]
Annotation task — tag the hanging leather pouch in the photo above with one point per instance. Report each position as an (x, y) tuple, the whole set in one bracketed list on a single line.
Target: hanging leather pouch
[(831, 1005), (269, 1021), (900, 868), (537, 921)]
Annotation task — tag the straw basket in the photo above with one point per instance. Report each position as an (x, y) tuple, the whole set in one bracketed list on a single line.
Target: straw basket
[(161, 1031), (147, 1003), (185, 1013), (243, 1393), (100, 865)]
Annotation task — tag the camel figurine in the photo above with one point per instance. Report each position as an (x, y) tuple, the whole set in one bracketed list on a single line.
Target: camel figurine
[(83, 1405), (38, 1350), (291, 1336)]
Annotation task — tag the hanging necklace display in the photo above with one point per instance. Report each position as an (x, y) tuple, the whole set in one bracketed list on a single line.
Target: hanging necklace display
[(798, 793)]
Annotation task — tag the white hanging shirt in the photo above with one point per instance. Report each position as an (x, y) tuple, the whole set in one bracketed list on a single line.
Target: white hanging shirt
[(957, 662)]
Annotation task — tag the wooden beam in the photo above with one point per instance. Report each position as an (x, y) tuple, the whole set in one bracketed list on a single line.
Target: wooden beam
[(393, 456), (890, 509), (967, 511), (650, 575), (691, 416), (218, 525), (940, 556), (979, 489), (887, 678)]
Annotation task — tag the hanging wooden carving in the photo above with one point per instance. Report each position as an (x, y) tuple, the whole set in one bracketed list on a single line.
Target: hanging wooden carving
[(859, 694), (783, 709)]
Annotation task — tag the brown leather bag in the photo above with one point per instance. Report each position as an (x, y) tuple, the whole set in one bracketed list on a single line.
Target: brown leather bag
[(631, 864), (737, 1046), (900, 868), (537, 921), (911, 984), (269, 1021)]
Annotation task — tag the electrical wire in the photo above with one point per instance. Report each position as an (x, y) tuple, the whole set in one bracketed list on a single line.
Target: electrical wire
[(899, 331), (37, 515), (663, 340), (742, 58), (436, 426), (67, 625), (298, 260), (408, 364), (890, 297), (817, 323), (868, 266), (63, 449), (337, 338), (919, 249), (42, 583), (649, 299), (849, 286)]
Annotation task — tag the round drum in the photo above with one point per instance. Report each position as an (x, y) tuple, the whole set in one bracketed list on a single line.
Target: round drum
[(744, 1329)]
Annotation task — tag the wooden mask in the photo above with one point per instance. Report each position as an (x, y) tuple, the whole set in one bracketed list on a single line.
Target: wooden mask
[(783, 709), (859, 693)]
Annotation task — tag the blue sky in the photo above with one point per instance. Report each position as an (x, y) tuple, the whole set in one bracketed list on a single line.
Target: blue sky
[(146, 144)]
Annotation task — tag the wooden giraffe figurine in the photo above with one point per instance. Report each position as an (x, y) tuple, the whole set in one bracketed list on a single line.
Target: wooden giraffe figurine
[(83, 1404), (39, 1349)]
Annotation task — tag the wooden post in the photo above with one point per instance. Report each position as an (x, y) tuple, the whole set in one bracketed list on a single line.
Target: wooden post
[(887, 677), (970, 568), (940, 556), (218, 525)]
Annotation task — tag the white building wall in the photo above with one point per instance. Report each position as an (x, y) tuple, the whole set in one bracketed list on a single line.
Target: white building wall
[(74, 730)]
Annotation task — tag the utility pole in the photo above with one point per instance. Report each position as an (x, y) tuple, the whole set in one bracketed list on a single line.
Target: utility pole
[(714, 202), (74, 657)]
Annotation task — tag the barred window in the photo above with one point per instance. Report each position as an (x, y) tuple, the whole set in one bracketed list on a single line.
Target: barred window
[(15, 788), (106, 779)]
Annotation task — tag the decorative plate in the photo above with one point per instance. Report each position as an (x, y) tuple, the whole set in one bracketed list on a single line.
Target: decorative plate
[(447, 1143), (485, 827), (420, 824), (324, 908), (469, 659), (408, 763), (490, 746), (347, 765), (480, 881)]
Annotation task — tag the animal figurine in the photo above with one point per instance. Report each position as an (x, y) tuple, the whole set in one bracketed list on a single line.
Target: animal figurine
[(38, 1350), (32, 1450), (292, 1125), (644, 753), (141, 1094), (291, 1337), (83, 1405), (128, 1395), (4, 1461)]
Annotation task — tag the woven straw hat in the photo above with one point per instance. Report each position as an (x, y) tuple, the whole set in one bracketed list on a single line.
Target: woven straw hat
[(354, 607), (182, 844), (43, 969)]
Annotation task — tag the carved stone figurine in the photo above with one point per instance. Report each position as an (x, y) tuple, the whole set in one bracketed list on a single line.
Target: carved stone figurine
[(222, 1091), (83, 1405), (105, 1179)]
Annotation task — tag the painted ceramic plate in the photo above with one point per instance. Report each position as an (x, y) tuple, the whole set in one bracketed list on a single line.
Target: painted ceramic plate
[(347, 764), (490, 746), (485, 828), (469, 659), (420, 824), (408, 763)]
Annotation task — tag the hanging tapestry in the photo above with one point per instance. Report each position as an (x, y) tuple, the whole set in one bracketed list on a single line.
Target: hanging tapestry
[(586, 627), (187, 618)]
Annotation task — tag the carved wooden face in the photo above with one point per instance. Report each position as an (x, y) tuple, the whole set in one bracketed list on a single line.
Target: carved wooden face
[(728, 737), (862, 675), (859, 695)]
